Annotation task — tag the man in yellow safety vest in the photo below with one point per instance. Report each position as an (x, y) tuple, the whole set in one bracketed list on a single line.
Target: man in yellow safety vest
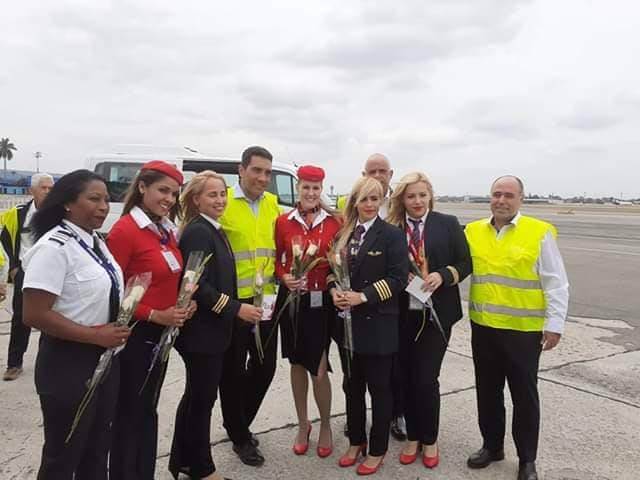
[(518, 304), (249, 224)]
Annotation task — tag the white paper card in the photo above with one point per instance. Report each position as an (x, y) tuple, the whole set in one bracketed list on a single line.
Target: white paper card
[(268, 304), (415, 289), (171, 260), (415, 304), (315, 300)]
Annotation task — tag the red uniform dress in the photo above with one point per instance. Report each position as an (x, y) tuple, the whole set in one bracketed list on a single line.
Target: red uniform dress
[(306, 337), (139, 246)]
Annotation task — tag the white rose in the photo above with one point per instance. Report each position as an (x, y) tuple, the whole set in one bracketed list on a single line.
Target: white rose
[(189, 276), (296, 250), (135, 295), (259, 280)]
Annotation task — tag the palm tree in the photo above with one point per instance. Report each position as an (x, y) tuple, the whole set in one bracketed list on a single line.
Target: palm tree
[(6, 153)]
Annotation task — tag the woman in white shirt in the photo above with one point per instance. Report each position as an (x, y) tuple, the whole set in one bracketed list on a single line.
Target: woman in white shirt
[(72, 289)]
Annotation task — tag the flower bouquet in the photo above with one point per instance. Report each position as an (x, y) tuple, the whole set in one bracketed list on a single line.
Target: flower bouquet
[(134, 291), (339, 263), (419, 264), (304, 260), (192, 273)]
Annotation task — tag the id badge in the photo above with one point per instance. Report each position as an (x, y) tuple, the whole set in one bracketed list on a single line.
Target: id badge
[(268, 305), (315, 299), (415, 304), (171, 260)]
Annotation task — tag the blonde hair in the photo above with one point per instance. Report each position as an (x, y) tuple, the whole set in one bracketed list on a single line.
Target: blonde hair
[(363, 187), (194, 188), (397, 210)]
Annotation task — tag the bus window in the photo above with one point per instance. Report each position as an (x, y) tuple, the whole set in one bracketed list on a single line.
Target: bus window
[(284, 186), (118, 176)]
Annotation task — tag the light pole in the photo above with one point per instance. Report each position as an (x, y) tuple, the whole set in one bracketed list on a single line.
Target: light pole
[(38, 156)]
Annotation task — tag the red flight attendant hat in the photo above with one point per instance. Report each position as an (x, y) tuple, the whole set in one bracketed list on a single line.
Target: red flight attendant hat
[(164, 168), (311, 173)]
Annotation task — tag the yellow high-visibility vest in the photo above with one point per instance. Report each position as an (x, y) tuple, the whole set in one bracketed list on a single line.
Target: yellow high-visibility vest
[(341, 203), (252, 240), (506, 292)]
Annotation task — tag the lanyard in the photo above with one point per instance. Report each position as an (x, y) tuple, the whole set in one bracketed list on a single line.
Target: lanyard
[(109, 268)]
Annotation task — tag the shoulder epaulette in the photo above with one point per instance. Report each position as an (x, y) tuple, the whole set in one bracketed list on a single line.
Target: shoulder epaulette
[(61, 237)]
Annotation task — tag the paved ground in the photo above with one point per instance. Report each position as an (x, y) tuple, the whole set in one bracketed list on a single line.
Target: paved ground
[(590, 385)]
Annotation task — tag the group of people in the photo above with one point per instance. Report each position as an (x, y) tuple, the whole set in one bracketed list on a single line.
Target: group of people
[(70, 283)]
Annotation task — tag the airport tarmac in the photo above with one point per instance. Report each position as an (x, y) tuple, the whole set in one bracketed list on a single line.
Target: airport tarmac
[(590, 384)]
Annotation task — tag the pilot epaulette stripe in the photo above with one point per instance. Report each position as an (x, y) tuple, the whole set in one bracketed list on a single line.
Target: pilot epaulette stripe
[(56, 240), (64, 232)]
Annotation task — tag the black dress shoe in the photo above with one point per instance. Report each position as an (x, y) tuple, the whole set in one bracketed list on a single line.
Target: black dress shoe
[(399, 429), (527, 471), (254, 440), (249, 455), (484, 457)]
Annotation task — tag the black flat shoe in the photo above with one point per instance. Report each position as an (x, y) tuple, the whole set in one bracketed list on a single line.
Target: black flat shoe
[(484, 457), (527, 471), (249, 455), (399, 429)]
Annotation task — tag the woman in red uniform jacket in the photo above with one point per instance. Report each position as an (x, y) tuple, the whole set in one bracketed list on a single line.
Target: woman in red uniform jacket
[(306, 337), (144, 240)]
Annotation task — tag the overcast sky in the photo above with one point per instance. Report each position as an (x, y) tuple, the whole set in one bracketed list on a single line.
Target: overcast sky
[(464, 90)]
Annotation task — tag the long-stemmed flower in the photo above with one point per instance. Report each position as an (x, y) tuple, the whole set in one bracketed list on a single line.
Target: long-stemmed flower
[(195, 267), (420, 268), (303, 261), (339, 263), (134, 291), (258, 300)]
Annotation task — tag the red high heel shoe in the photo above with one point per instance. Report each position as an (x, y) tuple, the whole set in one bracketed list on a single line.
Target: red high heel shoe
[(431, 462), (346, 461), (324, 452), (364, 470), (301, 448), (409, 459)]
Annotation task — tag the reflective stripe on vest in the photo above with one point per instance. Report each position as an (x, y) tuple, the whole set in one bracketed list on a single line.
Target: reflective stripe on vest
[(505, 287), (252, 240)]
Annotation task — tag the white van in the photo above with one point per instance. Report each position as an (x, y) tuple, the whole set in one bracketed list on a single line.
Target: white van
[(121, 166)]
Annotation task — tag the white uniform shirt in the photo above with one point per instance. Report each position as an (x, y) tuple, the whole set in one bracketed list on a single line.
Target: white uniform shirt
[(26, 240), (553, 279), (58, 264)]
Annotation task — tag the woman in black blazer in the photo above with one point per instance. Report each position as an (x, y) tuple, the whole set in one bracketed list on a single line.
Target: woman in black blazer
[(379, 271), (448, 263), (204, 339)]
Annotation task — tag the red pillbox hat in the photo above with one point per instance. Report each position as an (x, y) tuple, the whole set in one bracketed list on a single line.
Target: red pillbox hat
[(311, 173), (165, 168)]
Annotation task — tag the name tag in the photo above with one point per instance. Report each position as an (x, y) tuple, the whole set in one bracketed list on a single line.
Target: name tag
[(315, 298), (171, 260), (268, 304)]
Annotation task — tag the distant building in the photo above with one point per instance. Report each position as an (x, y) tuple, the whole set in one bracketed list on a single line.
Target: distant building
[(17, 182)]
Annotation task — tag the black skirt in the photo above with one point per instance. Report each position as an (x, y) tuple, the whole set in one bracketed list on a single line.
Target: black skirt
[(306, 336)]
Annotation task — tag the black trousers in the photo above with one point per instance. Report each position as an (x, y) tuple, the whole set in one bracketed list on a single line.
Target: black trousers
[(135, 428), (372, 372), (420, 363), (85, 456), (19, 338), (245, 380), (191, 445), (500, 355)]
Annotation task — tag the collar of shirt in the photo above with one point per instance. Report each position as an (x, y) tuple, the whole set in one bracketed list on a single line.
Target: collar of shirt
[(295, 215), (32, 210), (211, 221), (239, 193), (83, 234), (514, 221), (422, 219), (366, 225), (143, 221)]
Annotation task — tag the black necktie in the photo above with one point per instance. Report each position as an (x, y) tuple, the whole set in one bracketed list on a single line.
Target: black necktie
[(114, 295), (356, 238)]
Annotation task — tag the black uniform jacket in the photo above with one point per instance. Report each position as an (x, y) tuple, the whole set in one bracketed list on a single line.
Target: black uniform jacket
[(448, 254), (209, 330), (380, 272)]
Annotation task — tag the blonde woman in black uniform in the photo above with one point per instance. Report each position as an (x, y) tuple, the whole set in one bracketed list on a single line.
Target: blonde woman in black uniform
[(379, 271), (72, 289)]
